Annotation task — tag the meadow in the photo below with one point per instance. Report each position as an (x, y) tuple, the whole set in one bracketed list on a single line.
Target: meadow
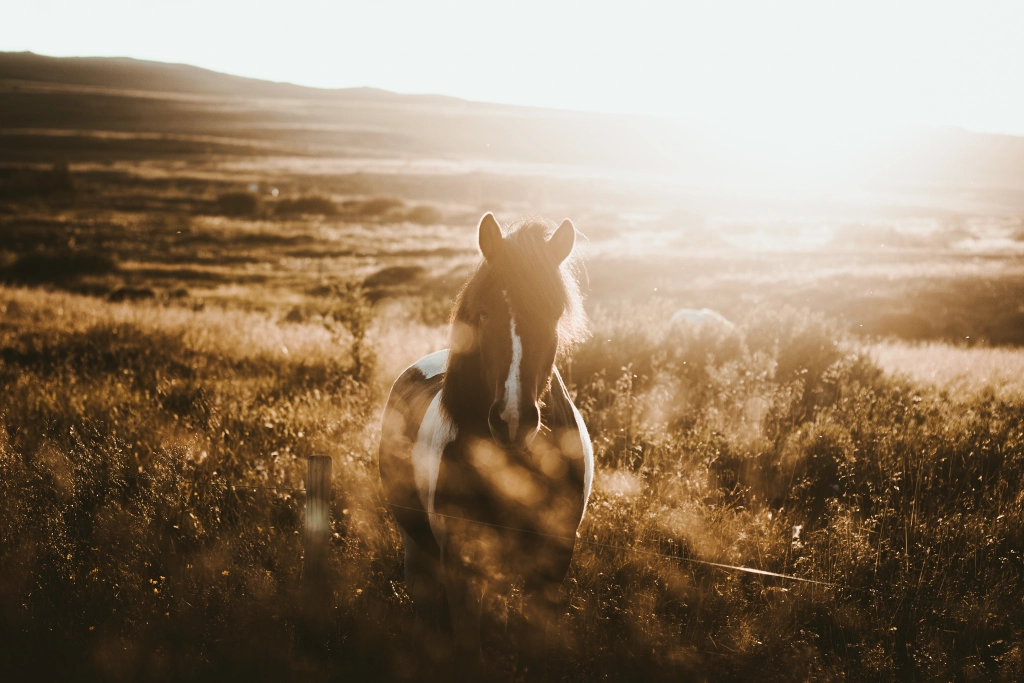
[(205, 280), (164, 330)]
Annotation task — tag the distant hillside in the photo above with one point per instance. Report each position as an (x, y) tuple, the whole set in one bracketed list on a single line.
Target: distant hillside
[(260, 117), (117, 108), (122, 73)]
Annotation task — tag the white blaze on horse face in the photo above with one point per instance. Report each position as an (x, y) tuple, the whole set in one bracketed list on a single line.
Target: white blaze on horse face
[(510, 414)]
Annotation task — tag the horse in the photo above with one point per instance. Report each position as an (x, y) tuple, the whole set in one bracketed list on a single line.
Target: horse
[(485, 462)]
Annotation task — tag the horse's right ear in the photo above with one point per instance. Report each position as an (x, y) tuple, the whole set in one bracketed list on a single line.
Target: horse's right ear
[(562, 242), (490, 237)]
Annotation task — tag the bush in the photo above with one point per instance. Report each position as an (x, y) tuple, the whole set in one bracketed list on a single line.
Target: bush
[(373, 208), (238, 204), (423, 215), (393, 276), (310, 204), (55, 182), (122, 294), (58, 267)]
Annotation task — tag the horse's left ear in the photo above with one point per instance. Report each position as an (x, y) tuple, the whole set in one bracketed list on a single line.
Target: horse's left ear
[(561, 243), (490, 237)]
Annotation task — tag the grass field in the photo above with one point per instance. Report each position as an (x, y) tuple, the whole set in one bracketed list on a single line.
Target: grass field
[(172, 314), (227, 348)]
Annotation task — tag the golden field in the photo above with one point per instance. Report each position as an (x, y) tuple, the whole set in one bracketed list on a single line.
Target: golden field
[(179, 319)]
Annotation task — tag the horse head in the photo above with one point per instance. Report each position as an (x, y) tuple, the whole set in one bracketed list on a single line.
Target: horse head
[(517, 327), (509, 323)]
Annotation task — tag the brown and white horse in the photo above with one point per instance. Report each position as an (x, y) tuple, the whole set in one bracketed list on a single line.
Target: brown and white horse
[(485, 461)]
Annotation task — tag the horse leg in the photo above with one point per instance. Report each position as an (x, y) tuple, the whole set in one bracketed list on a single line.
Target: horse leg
[(540, 613), (541, 605), (423, 584), (465, 592)]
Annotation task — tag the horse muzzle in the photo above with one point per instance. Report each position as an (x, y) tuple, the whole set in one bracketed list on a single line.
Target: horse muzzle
[(513, 429)]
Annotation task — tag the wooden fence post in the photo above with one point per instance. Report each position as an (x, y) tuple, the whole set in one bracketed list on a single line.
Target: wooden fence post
[(316, 542)]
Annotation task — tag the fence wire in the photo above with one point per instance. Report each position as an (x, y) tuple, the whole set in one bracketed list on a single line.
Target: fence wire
[(607, 546)]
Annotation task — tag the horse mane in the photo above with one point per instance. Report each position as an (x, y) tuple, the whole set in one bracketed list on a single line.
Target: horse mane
[(533, 277)]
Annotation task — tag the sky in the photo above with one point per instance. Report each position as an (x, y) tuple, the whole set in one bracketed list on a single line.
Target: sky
[(756, 70)]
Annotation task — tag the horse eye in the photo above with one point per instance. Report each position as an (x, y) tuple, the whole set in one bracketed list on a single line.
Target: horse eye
[(483, 317)]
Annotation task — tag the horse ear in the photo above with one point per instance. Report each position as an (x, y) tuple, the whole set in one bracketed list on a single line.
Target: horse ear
[(490, 237), (561, 243)]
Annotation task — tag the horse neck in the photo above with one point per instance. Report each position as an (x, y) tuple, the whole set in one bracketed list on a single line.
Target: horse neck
[(466, 398), (464, 392)]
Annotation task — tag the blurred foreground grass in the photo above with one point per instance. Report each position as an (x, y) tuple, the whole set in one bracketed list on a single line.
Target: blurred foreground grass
[(780, 445)]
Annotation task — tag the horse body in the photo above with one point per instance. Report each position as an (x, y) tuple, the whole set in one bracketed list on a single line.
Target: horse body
[(485, 461)]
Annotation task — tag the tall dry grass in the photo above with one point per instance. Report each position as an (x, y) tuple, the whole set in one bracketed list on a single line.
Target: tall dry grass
[(779, 445), (958, 370)]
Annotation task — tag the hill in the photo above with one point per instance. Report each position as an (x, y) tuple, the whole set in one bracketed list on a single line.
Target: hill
[(40, 95), (115, 108)]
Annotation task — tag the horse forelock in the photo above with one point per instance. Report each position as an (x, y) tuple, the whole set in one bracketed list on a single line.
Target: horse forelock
[(533, 283)]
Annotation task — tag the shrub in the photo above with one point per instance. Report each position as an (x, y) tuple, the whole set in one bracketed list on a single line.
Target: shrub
[(373, 208), (310, 204), (238, 204), (393, 276), (423, 215), (122, 294), (55, 182), (59, 267)]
